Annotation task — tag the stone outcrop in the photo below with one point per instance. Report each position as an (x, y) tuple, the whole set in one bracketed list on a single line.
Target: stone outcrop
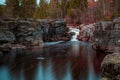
[(107, 33), (107, 36), (86, 32), (111, 67), (29, 32), (54, 30), (7, 37)]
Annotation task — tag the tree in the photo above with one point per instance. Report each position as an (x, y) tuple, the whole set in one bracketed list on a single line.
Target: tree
[(42, 10), (28, 8), (13, 8), (75, 8), (9, 8), (117, 7), (54, 8), (63, 6), (2, 9)]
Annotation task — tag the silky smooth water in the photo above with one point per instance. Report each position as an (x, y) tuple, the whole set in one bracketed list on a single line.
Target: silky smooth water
[(76, 33), (61, 61)]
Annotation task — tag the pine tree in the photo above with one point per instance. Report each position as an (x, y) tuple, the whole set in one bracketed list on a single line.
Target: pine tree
[(75, 8), (28, 8), (54, 8), (9, 8), (42, 10), (63, 6)]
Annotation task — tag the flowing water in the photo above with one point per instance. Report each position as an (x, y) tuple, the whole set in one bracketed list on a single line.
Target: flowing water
[(76, 33), (73, 60)]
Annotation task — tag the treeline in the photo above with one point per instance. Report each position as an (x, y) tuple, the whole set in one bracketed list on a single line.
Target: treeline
[(74, 11)]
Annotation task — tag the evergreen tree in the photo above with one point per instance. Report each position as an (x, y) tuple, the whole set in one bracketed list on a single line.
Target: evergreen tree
[(64, 6), (9, 8), (28, 8), (75, 8), (54, 8), (12, 8), (42, 10)]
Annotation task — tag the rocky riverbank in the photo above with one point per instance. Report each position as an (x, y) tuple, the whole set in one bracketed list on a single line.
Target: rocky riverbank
[(111, 67), (107, 37), (103, 34), (28, 32), (107, 34)]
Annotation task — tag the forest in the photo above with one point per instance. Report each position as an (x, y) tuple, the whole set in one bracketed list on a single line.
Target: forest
[(74, 11)]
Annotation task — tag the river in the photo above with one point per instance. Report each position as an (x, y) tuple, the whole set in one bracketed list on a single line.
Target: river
[(72, 60)]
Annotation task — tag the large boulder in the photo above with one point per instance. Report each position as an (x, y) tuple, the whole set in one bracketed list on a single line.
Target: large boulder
[(111, 67)]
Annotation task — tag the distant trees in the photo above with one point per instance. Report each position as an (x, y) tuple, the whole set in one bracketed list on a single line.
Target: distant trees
[(2, 10), (64, 8), (20, 8), (54, 8), (117, 7), (42, 10), (9, 8), (28, 8), (74, 10)]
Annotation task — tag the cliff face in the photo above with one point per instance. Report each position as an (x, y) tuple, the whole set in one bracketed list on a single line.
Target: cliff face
[(29, 32), (107, 33)]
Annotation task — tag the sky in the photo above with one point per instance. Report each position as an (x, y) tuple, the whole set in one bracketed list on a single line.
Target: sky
[(2, 1)]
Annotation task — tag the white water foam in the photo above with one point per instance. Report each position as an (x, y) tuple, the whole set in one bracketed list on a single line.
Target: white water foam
[(76, 31)]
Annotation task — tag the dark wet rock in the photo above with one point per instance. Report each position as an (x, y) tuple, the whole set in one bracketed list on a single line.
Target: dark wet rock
[(111, 67), (30, 32), (6, 36), (54, 30), (1, 53), (5, 47)]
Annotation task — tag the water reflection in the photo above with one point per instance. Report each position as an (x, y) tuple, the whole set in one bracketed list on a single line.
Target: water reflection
[(64, 61), (4, 73)]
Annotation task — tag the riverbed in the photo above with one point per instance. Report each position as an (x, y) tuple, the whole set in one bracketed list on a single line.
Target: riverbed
[(72, 60)]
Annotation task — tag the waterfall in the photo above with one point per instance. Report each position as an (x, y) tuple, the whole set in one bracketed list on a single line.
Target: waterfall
[(76, 31)]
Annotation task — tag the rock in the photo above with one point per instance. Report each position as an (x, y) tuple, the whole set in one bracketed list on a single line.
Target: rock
[(98, 26), (7, 36), (107, 33), (37, 43), (25, 31), (117, 42), (116, 20), (117, 26), (86, 32), (106, 25), (6, 47), (111, 67), (1, 53), (31, 29)]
